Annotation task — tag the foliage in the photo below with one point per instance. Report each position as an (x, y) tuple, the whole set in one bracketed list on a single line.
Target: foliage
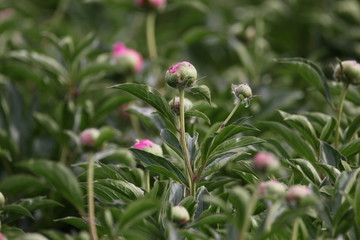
[(58, 77)]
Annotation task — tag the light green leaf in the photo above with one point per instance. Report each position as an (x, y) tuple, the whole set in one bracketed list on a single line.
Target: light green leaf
[(203, 90)]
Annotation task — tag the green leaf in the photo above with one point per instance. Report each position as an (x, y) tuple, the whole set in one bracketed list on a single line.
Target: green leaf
[(356, 204), (114, 190), (240, 142), (291, 138), (18, 209), (203, 90), (49, 124), (328, 130), (211, 220), (353, 129), (60, 177), (351, 149), (106, 133), (308, 169), (302, 124), (75, 221), (153, 162), (240, 200), (171, 140), (21, 184), (137, 211), (191, 146), (197, 113), (150, 96), (329, 155), (311, 73)]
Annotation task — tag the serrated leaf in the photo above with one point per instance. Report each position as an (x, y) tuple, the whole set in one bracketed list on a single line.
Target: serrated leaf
[(149, 160), (202, 90), (311, 73), (60, 177), (150, 96)]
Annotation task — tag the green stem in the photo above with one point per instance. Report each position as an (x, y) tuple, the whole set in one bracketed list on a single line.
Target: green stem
[(150, 35), (339, 114), (147, 180), (91, 206), (249, 212), (64, 154), (228, 117), (183, 144), (295, 231)]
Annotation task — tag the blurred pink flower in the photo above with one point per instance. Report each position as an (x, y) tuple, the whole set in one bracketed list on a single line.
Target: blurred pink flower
[(127, 58), (89, 136), (266, 161), (151, 3), (148, 146)]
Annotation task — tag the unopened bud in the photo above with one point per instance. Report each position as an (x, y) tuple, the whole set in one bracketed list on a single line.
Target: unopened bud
[(179, 214), (181, 75), (242, 91), (272, 189), (2, 237), (299, 195), (175, 105), (264, 161), (89, 136), (148, 146), (127, 60), (151, 4), (350, 72)]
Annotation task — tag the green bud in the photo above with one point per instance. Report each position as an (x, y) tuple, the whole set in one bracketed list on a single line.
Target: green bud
[(181, 75), (242, 91), (350, 72), (179, 215)]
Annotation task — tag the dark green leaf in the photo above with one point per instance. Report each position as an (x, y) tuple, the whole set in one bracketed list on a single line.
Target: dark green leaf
[(197, 113), (350, 149), (353, 129), (328, 130), (329, 155), (308, 169), (311, 73), (171, 140), (203, 90), (211, 220)]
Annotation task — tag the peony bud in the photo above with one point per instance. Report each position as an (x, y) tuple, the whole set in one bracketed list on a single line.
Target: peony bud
[(242, 91), (181, 75), (350, 72), (89, 136), (127, 59), (272, 189), (264, 161), (175, 105), (299, 195), (151, 4), (179, 215), (2, 237), (148, 146), (2, 200)]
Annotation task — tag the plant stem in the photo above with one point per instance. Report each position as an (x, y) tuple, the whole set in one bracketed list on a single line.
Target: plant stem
[(339, 114), (249, 212), (183, 144), (228, 117), (150, 35), (91, 206), (295, 231), (147, 180)]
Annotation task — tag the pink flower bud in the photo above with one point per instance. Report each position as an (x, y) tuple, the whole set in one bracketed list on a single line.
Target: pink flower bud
[(175, 105), (179, 214), (272, 189), (264, 161), (89, 136), (127, 59), (299, 195), (181, 75), (151, 4), (2, 237), (350, 72), (148, 146)]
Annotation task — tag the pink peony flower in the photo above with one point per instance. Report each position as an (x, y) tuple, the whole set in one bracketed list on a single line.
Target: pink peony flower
[(148, 146), (298, 194), (271, 188), (128, 59), (2, 237), (266, 161)]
